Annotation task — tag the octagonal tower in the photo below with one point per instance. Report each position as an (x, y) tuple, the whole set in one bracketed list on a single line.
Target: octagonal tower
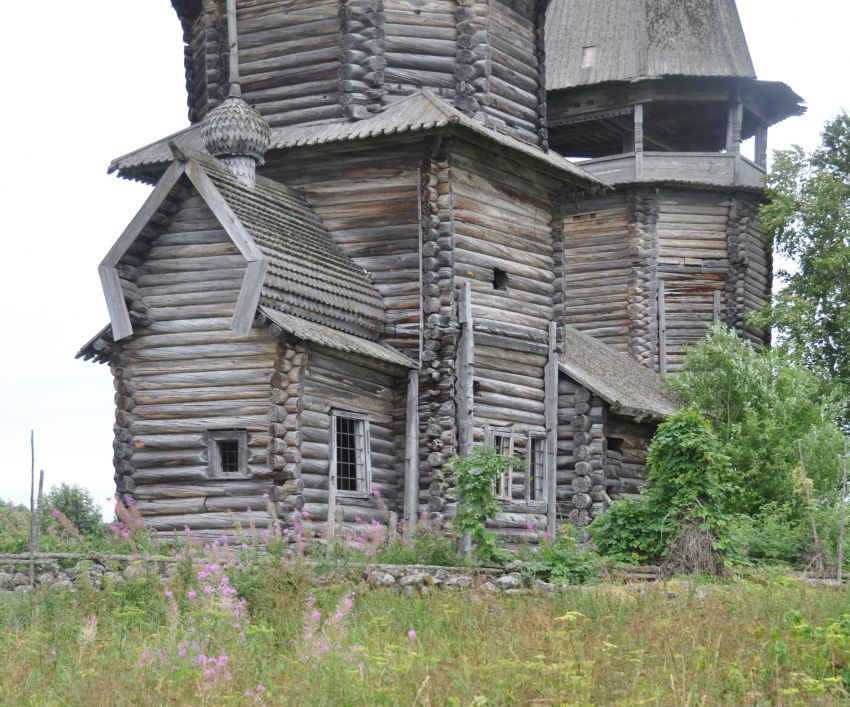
[(658, 96)]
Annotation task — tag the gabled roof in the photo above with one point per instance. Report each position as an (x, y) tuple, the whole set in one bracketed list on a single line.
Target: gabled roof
[(293, 263), (594, 41), (419, 112), (630, 388)]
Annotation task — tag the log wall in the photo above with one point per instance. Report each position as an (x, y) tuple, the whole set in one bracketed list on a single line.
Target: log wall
[(368, 199), (331, 60), (625, 462), (185, 373), (333, 381)]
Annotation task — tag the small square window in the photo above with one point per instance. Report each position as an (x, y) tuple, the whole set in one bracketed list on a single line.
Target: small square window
[(503, 443), (351, 453), (228, 452), (535, 485)]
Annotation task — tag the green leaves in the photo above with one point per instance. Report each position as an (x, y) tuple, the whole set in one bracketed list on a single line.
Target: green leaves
[(808, 221), (475, 479)]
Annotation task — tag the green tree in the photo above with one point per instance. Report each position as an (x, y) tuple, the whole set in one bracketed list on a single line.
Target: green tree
[(77, 504), (808, 221), (760, 403)]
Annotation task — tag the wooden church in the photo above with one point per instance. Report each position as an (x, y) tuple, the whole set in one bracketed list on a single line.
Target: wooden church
[(368, 253)]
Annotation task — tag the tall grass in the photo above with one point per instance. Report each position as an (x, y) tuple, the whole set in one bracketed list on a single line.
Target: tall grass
[(222, 633)]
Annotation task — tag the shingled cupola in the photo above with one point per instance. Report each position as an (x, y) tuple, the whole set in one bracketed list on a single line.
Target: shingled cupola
[(233, 131)]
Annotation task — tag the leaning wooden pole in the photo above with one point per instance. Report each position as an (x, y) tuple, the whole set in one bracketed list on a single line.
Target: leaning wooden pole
[(465, 391), (842, 518), (32, 506), (551, 414), (39, 510)]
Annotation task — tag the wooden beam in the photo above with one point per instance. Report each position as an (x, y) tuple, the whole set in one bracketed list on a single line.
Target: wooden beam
[(639, 141), (551, 415), (465, 372), (411, 468), (733, 127), (761, 146), (233, 49), (662, 329)]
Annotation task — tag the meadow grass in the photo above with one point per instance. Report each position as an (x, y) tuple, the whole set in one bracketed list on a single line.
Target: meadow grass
[(261, 633)]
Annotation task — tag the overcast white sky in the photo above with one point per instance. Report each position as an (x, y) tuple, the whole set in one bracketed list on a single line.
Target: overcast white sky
[(87, 81)]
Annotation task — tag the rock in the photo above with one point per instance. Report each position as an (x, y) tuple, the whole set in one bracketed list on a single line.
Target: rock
[(134, 569), (541, 586), (381, 579), (515, 591), (45, 578), (459, 581), (415, 580), (20, 579), (7, 580), (509, 581), (24, 589), (488, 587), (514, 566)]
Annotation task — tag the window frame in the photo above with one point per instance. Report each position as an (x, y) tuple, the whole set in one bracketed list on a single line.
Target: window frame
[(214, 438), (503, 485), (364, 472), (540, 438)]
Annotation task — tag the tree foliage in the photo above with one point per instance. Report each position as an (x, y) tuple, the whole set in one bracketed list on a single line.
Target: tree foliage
[(808, 221), (77, 504), (687, 485), (760, 403)]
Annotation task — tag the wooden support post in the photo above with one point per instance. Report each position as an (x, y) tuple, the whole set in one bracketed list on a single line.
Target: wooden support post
[(411, 469), (465, 392), (551, 415), (717, 309), (662, 329), (761, 146), (733, 128), (639, 141), (330, 530), (39, 511)]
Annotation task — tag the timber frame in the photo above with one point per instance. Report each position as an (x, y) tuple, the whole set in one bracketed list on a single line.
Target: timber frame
[(389, 235)]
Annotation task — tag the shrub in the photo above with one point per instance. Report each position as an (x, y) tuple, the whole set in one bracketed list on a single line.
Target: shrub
[(78, 506), (428, 545), (566, 559), (774, 535), (631, 531), (683, 508)]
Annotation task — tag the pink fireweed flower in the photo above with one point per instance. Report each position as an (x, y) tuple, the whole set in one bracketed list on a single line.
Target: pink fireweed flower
[(192, 594), (56, 513), (169, 593), (411, 634), (347, 602), (315, 615), (530, 526), (376, 493)]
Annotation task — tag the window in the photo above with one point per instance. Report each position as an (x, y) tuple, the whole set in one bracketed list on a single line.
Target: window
[(503, 443), (535, 484), (228, 452), (351, 454)]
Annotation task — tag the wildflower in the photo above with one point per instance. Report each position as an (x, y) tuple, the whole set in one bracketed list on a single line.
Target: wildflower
[(411, 634), (192, 594), (530, 526), (315, 614), (169, 593), (376, 493), (181, 652), (56, 513)]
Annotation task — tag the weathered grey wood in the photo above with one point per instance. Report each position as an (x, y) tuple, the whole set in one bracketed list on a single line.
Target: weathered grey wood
[(411, 469), (551, 418), (662, 328)]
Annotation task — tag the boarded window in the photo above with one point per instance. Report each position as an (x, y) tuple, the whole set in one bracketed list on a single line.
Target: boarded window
[(351, 458), (228, 452)]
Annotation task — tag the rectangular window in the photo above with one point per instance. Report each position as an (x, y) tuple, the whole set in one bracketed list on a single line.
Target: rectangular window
[(535, 485), (228, 452), (351, 453), (503, 443)]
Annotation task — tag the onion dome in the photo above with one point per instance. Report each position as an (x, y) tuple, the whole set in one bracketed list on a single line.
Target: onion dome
[(235, 129)]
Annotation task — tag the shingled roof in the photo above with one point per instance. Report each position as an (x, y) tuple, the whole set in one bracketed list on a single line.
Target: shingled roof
[(308, 275), (419, 112), (630, 388), (594, 41)]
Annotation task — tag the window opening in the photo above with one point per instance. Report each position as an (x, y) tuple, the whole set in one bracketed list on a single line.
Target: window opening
[(503, 443), (351, 453), (536, 483), (500, 279), (228, 452)]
